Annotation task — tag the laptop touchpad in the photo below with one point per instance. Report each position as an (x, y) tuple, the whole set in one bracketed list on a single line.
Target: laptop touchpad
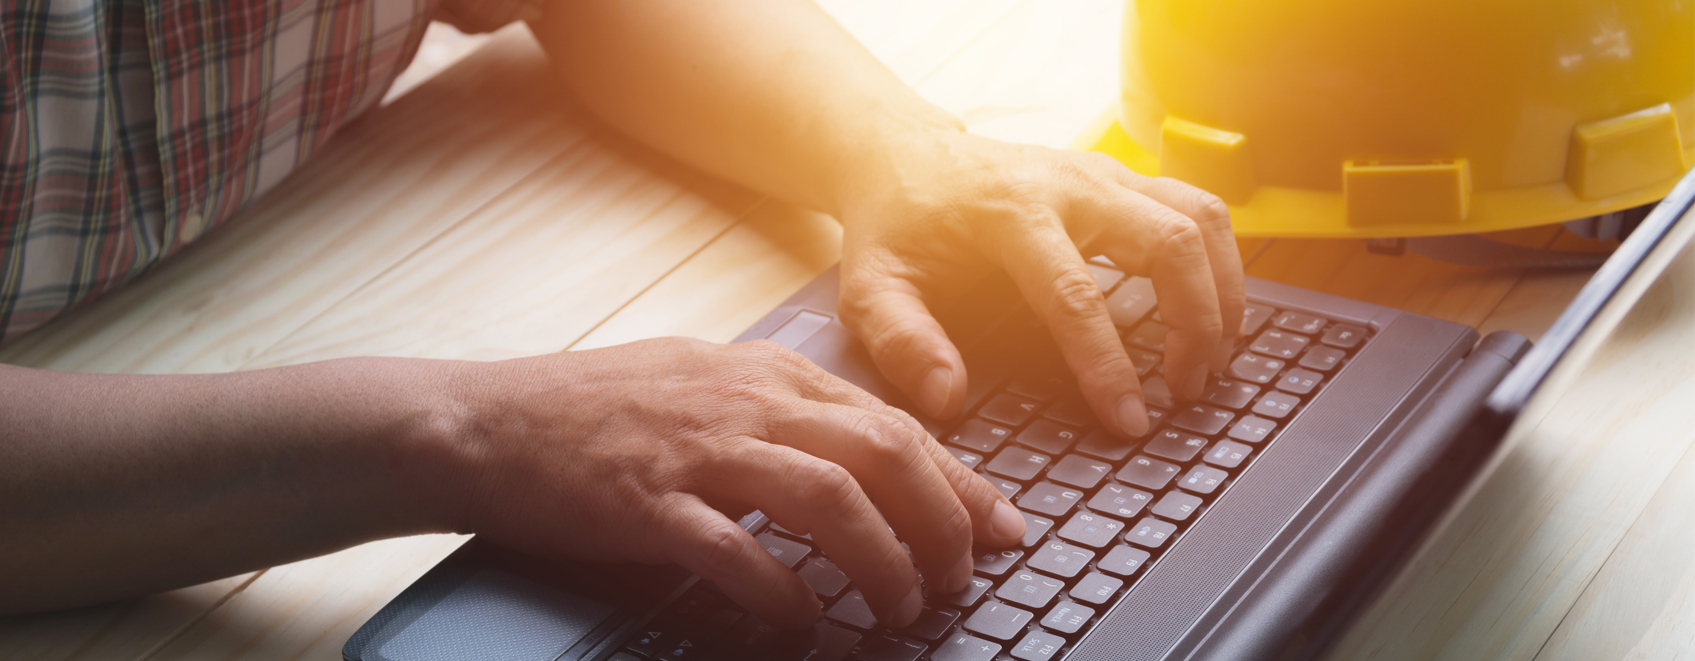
[(497, 615)]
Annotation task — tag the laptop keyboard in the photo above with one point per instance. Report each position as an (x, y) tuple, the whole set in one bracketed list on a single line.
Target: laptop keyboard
[(1099, 511)]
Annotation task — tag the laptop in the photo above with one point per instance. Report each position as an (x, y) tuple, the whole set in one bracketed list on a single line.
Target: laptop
[(1253, 523)]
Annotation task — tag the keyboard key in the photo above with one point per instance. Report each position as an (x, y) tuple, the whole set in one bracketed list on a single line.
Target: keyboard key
[(703, 609), (1039, 388), (1228, 454), (980, 436), (1103, 444), (1175, 445), (1276, 405), (1018, 463), (1150, 335), (1035, 528), (825, 578), (1008, 409), (1050, 499), (1008, 488), (1080, 472), (1279, 344), (1155, 392), (1068, 617), (998, 621), (852, 611), (1049, 436), (1156, 416), (1029, 589), (1299, 322), (779, 528), (786, 551), (1203, 479), (756, 638), (1343, 336), (889, 648), (625, 656), (1090, 529), (965, 647), (1145, 361), (1255, 368), (1228, 393), (1123, 560), (996, 563), (1149, 532), (1105, 277), (1119, 500), (1202, 419), (969, 459), (1322, 359), (1133, 300), (932, 623), (968, 597), (1252, 429), (1060, 559), (1299, 381), (1255, 316), (1096, 588), (1071, 410), (656, 637), (1038, 646), (1147, 473), (1176, 505)]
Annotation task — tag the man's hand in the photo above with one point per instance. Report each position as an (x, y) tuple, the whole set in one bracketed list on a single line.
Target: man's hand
[(939, 209), (637, 452)]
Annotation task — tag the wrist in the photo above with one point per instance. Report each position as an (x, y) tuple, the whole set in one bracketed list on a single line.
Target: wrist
[(427, 439), (879, 159)]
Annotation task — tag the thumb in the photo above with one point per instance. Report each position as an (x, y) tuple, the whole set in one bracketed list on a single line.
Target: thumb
[(888, 314)]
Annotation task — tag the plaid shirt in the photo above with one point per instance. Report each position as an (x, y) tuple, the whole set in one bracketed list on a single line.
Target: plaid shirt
[(134, 127)]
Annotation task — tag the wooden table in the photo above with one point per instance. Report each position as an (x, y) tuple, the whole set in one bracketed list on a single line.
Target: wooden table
[(482, 215)]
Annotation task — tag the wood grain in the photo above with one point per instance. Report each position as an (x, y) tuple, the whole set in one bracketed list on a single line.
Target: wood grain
[(1498, 580)]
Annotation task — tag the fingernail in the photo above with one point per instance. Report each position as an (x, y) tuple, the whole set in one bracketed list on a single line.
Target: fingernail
[(935, 389), (1132, 416), (961, 574), (909, 608), (1196, 383), (1006, 522)]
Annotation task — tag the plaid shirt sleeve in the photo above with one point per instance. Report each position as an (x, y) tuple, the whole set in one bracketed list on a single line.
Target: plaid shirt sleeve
[(134, 128)]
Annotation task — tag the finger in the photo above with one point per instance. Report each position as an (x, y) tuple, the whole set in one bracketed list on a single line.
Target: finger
[(910, 348), (1054, 280), (1144, 236), (995, 522), (705, 542), (813, 496), (1212, 216), (889, 462)]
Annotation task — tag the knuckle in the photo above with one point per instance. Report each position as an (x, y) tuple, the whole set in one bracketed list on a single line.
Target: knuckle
[(886, 443), (725, 546), (1076, 296), (828, 489)]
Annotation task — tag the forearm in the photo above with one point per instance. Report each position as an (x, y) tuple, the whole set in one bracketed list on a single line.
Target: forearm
[(772, 94), (117, 485)]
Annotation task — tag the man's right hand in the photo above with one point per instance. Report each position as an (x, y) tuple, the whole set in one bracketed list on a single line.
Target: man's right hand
[(645, 452)]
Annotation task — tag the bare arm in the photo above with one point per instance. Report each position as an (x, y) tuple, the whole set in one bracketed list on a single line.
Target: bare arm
[(775, 95), (118, 485)]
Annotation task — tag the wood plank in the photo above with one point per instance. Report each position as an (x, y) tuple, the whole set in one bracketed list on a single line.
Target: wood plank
[(1641, 604), (1496, 582), (119, 630)]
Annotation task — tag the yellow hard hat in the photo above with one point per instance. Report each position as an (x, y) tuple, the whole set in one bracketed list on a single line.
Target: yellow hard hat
[(1380, 118)]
